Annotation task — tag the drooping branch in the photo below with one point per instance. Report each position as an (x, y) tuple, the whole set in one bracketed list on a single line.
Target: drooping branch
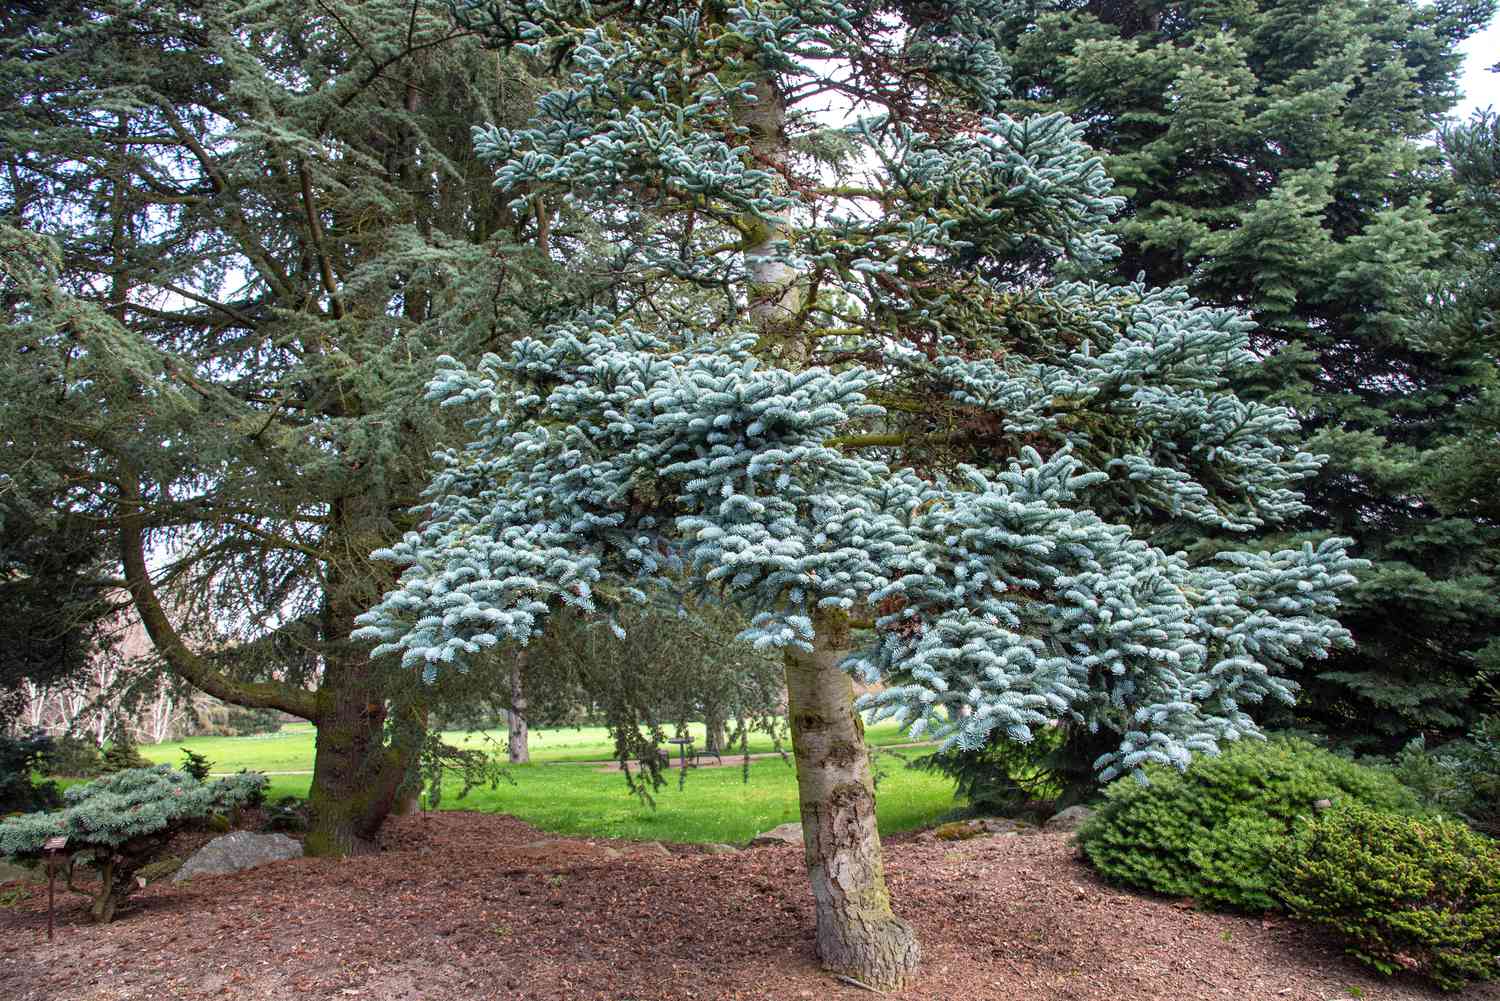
[(168, 641)]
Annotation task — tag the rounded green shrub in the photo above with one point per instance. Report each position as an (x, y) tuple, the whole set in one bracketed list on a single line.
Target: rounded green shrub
[(1211, 832), (119, 823), (1404, 893)]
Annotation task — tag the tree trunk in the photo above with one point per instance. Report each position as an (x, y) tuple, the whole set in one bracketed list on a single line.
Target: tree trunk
[(857, 934), (102, 912), (356, 773), (408, 743), (520, 752), (716, 733)]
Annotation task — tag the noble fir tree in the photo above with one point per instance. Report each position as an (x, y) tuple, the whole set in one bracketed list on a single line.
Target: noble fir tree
[(1274, 155), (1461, 473), (231, 238), (846, 378)]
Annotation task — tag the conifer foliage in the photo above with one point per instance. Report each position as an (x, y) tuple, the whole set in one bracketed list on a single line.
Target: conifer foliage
[(118, 823), (232, 236), (854, 380), (1276, 156)]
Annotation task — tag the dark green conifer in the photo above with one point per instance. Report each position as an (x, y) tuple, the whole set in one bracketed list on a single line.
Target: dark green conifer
[(232, 237), (1274, 155)]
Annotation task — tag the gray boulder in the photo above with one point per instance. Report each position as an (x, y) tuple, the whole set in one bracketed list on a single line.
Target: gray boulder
[(786, 834), (235, 851), (1065, 821), (720, 850), (1002, 825)]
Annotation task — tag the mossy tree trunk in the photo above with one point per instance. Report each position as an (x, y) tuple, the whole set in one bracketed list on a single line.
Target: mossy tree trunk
[(357, 773), (117, 870), (106, 899), (857, 933)]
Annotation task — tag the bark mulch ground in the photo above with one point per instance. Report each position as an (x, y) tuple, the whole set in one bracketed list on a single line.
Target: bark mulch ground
[(472, 906)]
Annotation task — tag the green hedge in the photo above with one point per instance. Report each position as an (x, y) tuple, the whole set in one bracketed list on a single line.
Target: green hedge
[(1405, 894), (1210, 833)]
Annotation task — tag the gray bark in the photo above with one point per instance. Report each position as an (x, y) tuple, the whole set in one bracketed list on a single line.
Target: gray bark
[(858, 935), (520, 753), (857, 932)]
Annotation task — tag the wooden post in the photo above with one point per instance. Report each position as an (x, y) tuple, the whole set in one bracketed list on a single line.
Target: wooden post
[(52, 846)]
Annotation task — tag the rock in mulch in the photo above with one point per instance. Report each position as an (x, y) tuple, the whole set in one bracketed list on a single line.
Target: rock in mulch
[(10, 872), (720, 850), (959, 830), (160, 869), (1004, 825), (963, 830), (786, 834), (1065, 821), (236, 851)]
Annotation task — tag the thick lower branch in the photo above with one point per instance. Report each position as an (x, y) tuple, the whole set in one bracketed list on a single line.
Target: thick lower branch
[(168, 641)]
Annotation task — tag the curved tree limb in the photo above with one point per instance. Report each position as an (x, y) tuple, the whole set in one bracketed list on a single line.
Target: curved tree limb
[(168, 641)]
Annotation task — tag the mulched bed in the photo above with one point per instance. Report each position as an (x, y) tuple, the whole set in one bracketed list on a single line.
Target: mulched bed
[(471, 906)]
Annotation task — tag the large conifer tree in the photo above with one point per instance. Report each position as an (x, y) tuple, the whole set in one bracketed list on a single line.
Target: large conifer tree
[(1462, 473), (1276, 156), (842, 381), (232, 236)]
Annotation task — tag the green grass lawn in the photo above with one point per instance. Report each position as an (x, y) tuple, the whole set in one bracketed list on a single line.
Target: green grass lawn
[(291, 750), (581, 800), (715, 804)]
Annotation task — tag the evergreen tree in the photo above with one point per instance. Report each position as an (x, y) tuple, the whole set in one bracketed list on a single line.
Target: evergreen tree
[(1274, 155), (53, 599), (232, 236), (844, 381), (1461, 474)]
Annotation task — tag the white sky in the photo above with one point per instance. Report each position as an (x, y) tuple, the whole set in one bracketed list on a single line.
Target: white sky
[(1481, 87)]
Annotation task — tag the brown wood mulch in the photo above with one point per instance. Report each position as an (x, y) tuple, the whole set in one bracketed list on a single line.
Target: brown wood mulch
[(471, 906)]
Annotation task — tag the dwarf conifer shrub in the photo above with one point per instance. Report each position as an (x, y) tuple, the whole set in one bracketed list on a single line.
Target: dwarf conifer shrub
[(1211, 832), (1404, 893), (119, 823), (195, 764)]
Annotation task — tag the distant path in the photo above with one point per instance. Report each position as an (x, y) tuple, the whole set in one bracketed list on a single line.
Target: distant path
[(729, 760), (612, 765)]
